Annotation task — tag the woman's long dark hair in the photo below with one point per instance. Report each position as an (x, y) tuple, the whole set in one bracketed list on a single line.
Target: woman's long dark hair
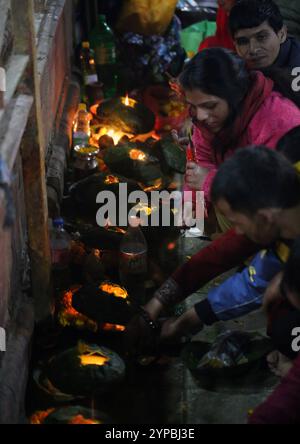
[(222, 73), (218, 72)]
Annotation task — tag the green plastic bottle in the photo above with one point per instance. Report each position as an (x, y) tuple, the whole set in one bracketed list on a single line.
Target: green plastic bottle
[(102, 41)]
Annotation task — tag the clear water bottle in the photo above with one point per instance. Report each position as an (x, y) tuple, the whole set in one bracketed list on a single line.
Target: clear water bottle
[(60, 246), (60, 242), (82, 130), (133, 262), (103, 43)]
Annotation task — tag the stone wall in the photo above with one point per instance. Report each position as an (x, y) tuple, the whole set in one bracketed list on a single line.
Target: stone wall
[(53, 23)]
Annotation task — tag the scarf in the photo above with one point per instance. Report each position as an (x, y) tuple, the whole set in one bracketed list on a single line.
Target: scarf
[(235, 135)]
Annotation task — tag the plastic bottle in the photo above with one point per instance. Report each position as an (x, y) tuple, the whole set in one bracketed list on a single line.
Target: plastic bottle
[(81, 130), (88, 64), (103, 43), (60, 242), (88, 69), (133, 262)]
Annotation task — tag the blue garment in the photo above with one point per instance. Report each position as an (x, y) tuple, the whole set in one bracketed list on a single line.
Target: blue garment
[(243, 292), (289, 55)]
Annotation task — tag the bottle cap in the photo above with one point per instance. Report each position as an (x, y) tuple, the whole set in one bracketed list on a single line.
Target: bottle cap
[(82, 107), (134, 221), (59, 222), (86, 45)]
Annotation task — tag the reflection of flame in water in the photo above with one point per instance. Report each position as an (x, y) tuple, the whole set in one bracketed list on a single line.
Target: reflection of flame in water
[(93, 359), (115, 290), (137, 155)]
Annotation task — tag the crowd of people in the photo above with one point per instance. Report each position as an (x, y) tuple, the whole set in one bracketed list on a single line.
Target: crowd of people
[(246, 137)]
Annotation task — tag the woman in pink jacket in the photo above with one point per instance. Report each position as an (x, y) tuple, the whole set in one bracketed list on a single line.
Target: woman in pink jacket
[(230, 108)]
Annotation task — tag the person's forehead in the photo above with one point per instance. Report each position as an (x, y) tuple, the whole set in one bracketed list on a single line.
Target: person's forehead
[(252, 32), (197, 97)]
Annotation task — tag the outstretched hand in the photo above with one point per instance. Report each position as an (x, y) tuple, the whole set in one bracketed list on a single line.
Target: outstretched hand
[(139, 337)]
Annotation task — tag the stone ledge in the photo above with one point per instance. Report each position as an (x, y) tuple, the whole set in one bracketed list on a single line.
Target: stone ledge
[(14, 369)]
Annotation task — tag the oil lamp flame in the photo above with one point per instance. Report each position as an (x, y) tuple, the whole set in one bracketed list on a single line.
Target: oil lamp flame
[(93, 359), (137, 155), (115, 290), (113, 327), (128, 102)]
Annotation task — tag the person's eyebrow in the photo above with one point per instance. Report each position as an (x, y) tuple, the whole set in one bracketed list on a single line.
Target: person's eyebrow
[(208, 102), (256, 34)]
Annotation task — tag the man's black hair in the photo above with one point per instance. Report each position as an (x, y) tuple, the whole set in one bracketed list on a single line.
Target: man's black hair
[(252, 13), (289, 145), (256, 178)]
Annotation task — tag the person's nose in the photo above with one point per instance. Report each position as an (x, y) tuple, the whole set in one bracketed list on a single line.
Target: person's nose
[(253, 47), (202, 115)]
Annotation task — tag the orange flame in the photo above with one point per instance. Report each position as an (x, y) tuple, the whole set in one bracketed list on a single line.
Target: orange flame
[(68, 316), (128, 102), (112, 327), (114, 289), (110, 180), (137, 155), (93, 359), (79, 419), (39, 417), (171, 246)]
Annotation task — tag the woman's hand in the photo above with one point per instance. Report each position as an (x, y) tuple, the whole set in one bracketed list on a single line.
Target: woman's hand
[(195, 175), (175, 328)]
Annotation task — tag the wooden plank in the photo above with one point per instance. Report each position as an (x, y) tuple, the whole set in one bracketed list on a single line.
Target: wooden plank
[(33, 150), (14, 72), (13, 129)]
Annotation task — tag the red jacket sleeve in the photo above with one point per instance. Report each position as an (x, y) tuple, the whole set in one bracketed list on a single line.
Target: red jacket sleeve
[(221, 255), (283, 405)]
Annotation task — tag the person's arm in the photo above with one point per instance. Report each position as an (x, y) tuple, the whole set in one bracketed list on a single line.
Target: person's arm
[(224, 253), (175, 328), (236, 296), (219, 256)]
